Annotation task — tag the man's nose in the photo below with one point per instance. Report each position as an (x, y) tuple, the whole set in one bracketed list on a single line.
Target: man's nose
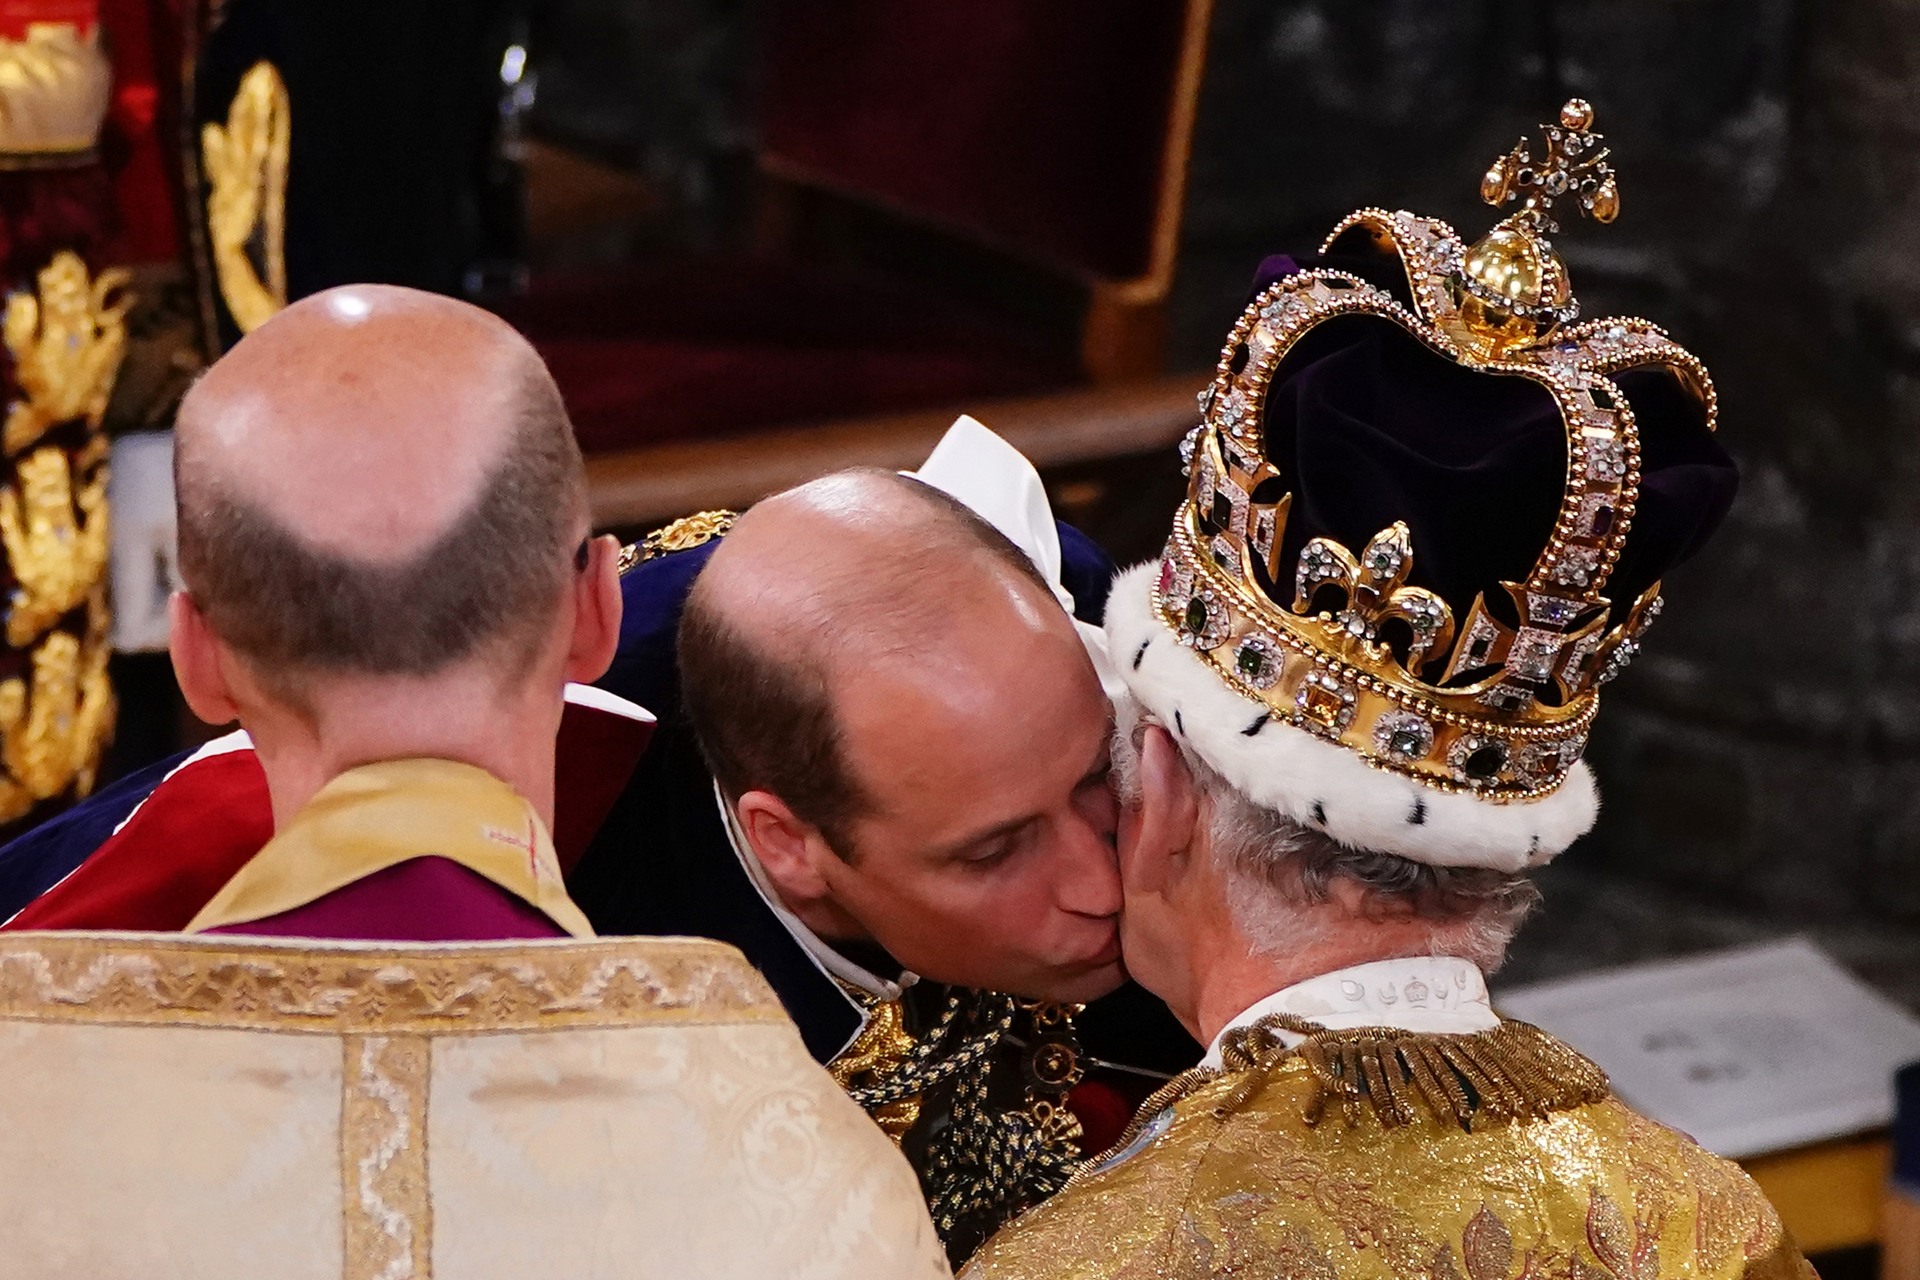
[(1089, 882)]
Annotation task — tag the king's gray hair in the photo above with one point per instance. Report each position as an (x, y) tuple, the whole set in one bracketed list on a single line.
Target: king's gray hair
[(1280, 874)]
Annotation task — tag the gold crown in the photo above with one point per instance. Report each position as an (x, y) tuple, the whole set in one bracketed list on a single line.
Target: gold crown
[(1497, 705)]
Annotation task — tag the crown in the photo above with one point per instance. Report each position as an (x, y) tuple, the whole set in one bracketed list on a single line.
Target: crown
[(1342, 644)]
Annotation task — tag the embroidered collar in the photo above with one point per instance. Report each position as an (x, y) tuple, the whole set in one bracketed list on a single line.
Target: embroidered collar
[(379, 815), (1440, 995)]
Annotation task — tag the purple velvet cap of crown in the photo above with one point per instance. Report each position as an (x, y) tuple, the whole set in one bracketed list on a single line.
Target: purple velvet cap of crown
[(1369, 425)]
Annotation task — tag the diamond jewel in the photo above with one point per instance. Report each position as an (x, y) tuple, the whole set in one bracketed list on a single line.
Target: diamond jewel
[(1577, 671), (1383, 562), (1263, 531), (1576, 565), (1325, 703), (1402, 735), (1188, 443), (1595, 519), (1509, 699), (1317, 565), (1551, 611), (1285, 310), (1617, 661), (1477, 646), (1532, 656), (1232, 410), (1606, 461), (1536, 763), (1203, 621), (1257, 662), (1478, 759)]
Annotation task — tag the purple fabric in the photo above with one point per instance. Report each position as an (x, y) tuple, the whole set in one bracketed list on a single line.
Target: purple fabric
[(1368, 426), (421, 900), (1273, 268)]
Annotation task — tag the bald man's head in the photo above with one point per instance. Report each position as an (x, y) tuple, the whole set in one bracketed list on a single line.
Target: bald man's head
[(910, 735), (858, 567), (377, 481)]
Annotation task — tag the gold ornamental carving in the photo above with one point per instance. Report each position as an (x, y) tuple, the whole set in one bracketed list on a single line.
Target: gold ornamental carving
[(66, 338), (55, 539), (246, 167)]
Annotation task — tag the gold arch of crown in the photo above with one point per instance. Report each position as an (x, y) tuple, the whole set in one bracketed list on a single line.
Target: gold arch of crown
[(1507, 714)]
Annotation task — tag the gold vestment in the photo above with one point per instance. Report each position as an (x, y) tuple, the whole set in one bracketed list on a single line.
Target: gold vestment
[(264, 1109), (1378, 1153)]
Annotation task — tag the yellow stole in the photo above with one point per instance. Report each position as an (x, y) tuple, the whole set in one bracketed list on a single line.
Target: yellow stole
[(380, 815)]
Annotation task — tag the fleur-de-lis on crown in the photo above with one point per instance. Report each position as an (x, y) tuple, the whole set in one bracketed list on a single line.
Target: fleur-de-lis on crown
[(1375, 591), (1575, 166)]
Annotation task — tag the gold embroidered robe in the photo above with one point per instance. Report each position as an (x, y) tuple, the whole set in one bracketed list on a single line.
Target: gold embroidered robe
[(1309, 1177), (243, 1109)]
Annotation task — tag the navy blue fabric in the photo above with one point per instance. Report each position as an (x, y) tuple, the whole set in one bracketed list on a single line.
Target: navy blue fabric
[(1906, 1127), (33, 863), (1086, 572)]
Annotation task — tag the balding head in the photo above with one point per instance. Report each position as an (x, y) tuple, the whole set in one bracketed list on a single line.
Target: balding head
[(377, 481), (813, 585), (910, 735)]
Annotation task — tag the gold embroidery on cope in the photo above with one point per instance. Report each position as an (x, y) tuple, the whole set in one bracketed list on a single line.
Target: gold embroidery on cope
[(383, 1158), (372, 991)]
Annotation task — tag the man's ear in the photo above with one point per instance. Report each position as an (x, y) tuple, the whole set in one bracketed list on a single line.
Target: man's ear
[(198, 663), (788, 847), (596, 612), (1167, 813)]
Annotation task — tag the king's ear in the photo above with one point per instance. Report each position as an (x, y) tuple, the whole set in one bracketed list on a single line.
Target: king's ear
[(1165, 817)]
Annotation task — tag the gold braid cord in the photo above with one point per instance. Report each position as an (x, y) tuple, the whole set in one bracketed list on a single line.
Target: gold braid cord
[(66, 339), (683, 534), (1513, 1071), (988, 1162), (246, 167)]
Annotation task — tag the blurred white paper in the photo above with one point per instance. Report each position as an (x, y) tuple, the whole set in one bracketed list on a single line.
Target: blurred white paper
[(1748, 1051), (144, 570)]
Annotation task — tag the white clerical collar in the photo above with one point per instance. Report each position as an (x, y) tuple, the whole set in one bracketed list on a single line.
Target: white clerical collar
[(1439, 995), (829, 961)]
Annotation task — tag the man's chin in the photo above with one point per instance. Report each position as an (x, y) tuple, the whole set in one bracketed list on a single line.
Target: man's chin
[(1089, 984)]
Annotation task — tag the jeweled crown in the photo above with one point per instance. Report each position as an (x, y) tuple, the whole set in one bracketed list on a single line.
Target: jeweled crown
[(1339, 643)]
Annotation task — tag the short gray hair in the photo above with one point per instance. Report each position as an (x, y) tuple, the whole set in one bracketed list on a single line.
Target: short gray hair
[(1279, 871)]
